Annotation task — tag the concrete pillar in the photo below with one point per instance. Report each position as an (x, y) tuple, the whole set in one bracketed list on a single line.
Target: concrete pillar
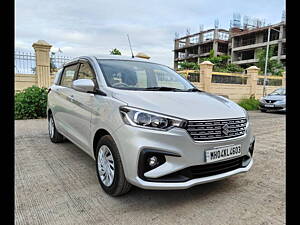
[(206, 69), (215, 42), (284, 79), (280, 43), (42, 58), (176, 44), (187, 41), (186, 53), (231, 53), (252, 73), (215, 47), (200, 37)]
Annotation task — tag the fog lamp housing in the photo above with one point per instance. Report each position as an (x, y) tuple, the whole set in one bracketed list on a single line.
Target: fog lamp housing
[(150, 159)]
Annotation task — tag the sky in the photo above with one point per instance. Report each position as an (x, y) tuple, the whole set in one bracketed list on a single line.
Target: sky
[(94, 27)]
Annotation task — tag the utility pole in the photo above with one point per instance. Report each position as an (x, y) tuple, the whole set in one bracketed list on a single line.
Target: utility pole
[(266, 63)]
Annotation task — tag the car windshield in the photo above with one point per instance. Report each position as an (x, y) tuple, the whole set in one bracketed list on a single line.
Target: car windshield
[(135, 75), (280, 91)]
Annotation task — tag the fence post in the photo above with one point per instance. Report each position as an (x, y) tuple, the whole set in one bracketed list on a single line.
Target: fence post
[(206, 68), (252, 72), (42, 58), (284, 79)]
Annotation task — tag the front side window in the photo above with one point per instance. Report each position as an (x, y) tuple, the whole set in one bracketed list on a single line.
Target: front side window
[(68, 75), (85, 72), (134, 75)]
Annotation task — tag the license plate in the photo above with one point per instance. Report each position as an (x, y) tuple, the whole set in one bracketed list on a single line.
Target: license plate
[(223, 153), (269, 105)]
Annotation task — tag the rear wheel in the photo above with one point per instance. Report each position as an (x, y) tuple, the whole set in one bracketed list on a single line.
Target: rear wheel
[(109, 168), (54, 135)]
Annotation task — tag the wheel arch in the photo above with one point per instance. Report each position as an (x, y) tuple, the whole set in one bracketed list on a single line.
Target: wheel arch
[(98, 135)]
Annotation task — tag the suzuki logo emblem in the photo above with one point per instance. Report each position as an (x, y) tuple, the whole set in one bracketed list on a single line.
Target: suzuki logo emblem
[(225, 129)]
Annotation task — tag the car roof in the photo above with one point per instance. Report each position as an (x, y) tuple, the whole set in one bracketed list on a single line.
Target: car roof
[(114, 57)]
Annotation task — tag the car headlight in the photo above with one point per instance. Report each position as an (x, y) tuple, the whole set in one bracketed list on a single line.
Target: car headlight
[(262, 100), (145, 119), (281, 102)]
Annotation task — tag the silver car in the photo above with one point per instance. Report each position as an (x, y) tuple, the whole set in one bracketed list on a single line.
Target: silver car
[(274, 101), (147, 126)]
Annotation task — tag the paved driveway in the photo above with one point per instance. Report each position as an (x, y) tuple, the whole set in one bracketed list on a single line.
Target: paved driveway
[(57, 184)]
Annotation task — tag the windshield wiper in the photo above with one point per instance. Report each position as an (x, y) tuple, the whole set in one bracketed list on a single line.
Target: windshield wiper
[(193, 90), (162, 89)]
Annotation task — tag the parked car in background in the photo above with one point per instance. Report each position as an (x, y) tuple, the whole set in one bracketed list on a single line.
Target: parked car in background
[(147, 126), (274, 101)]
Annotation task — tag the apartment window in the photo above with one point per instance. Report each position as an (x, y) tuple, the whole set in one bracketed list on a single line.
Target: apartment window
[(194, 40), (223, 36), (206, 48), (222, 48), (248, 40), (245, 55), (208, 36), (274, 35)]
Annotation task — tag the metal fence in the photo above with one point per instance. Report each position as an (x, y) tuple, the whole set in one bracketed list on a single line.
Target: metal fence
[(228, 78), (271, 80), (56, 61), (25, 62)]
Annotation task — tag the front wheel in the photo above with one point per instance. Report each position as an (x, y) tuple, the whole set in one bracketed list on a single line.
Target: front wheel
[(109, 168), (54, 135)]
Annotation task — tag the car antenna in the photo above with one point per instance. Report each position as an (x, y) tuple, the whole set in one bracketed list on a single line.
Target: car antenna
[(130, 46)]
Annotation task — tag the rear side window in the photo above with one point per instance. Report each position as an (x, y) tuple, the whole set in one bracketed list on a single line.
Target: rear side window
[(68, 75)]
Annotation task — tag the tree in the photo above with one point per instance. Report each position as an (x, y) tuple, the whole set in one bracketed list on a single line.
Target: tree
[(188, 66), (115, 51), (274, 67), (221, 63)]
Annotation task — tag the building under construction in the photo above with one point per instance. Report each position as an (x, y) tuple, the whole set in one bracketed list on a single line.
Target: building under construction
[(241, 42), (192, 48), (244, 44)]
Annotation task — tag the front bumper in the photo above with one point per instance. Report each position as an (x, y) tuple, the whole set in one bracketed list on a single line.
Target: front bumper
[(183, 152), (276, 107), (184, 185)]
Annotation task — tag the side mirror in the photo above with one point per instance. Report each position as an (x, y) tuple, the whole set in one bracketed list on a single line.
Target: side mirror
[(83, 85)]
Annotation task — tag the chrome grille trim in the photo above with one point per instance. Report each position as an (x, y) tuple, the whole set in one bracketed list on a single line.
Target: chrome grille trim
[(203, 130)]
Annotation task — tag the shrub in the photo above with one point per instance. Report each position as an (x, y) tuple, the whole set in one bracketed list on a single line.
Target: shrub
[(31, 103), (249, 104)]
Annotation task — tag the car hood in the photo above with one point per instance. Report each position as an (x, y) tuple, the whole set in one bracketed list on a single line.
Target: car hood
[(275, 97), (186, 105)]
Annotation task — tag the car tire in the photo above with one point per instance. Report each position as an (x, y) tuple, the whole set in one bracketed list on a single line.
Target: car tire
[(109, 168), (263, 110), (54, 135)]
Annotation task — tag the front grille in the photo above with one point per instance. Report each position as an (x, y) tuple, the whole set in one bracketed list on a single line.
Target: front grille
[(270, 101), (204, 130)]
